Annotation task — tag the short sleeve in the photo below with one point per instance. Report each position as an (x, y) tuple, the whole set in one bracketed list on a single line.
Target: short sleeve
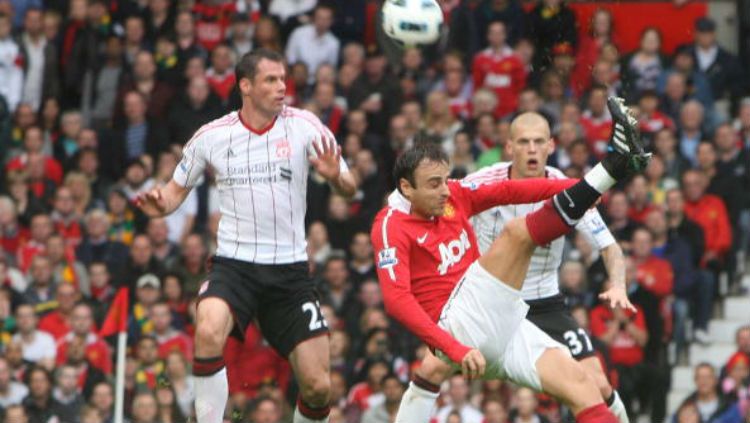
[(190, 169), (592, 227)]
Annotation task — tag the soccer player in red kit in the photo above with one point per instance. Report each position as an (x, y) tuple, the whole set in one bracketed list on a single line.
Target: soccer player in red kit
[(467, 307)]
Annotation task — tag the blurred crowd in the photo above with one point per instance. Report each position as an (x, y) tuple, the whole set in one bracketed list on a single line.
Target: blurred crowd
[(97, 98)]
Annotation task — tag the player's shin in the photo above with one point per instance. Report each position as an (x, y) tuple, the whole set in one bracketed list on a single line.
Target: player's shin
[(308, 414), (418, 402), (211, 389), (617, 407), (562, 212)]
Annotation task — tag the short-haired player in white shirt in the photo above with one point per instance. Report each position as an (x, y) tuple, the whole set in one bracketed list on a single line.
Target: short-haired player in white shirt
[(529, 146), (261, 156)]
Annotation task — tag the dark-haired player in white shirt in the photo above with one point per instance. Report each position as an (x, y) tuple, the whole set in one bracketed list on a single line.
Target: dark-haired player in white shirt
[(261, 156)]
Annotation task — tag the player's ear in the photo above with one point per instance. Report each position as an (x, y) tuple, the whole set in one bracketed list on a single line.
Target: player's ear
[(245, 85), (550, 145), (405, 187)]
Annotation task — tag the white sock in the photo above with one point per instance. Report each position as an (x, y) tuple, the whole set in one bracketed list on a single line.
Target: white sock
[(301, 418), (211, 394), (618, 408), (599, 179), (417, 405)]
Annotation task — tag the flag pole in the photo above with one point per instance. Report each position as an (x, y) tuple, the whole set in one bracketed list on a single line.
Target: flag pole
[(122, 342)]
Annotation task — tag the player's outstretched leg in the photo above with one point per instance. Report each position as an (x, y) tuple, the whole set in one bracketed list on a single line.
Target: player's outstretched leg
[(419, 399), (593, 367), (214, 322), (625, 156), (310, 362), (565, 378)]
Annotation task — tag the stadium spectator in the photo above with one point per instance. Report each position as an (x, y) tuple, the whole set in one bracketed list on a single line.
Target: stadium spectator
[(12, 74), (642, 68), (550, 23), (40, 405), (97, 246), (526, 406), (313, 43), (87, 376), (638, 198), (711, 406), (97, 351), (458, 401), (181, 381), (499, 69), (720, 67), (625, 334), (197, 105), (619, 221), (11, 392), (393, 390), (145, 408), (41, 290), (140, 262), (66, 393), (38, 346), (590, 43), (596, 121), (708, 211), (168, 338)]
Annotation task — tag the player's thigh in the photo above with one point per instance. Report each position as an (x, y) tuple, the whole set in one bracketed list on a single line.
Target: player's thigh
[(560, 325), (593, 366), (525, 348), (510, 254), (289, 312), (483, 313), (227, 300)]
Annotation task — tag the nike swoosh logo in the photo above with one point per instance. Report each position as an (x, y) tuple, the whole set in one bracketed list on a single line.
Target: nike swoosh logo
[(421, 239), (571, 204)]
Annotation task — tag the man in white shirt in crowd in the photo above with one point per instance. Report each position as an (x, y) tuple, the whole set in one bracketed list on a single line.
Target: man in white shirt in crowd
[(38, 346), (314, 44)]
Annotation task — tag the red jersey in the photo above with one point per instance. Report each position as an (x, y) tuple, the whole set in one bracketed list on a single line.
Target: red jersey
[(656, 276), (419, 260), (98, 352), (503, 73), (596, 131), (253, 363), (175, 340), (711, 214), (52, 168), (623, 350), (55, 324)]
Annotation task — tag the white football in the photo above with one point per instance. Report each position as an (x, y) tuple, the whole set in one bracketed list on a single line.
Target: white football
[(412, 22)]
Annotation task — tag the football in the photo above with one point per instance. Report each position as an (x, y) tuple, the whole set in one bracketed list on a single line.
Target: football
[(412, 22)]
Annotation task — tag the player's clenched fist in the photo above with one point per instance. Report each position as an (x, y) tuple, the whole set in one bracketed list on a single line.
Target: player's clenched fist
[(152, 202), (473, 364)]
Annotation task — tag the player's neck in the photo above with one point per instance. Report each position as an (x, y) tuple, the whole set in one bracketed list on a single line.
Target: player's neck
[(513, 173), (254, 118)]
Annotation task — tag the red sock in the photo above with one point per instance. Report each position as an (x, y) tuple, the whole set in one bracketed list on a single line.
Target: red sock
[(312, 413), (546, 225), (596, 414)]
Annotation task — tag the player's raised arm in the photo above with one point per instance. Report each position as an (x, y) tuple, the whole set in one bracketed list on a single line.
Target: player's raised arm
[(481, 196), (391, 247), (328, 163)]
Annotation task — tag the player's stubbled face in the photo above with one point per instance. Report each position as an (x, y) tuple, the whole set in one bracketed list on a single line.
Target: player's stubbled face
[(530, 146), (268, 88), (429, 196)]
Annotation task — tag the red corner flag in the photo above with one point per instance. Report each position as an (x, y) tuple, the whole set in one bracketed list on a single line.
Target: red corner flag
[(117, 317)]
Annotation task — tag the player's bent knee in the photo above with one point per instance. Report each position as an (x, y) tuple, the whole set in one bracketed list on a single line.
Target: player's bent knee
[(209, 337), (434, 370), (316, 391)]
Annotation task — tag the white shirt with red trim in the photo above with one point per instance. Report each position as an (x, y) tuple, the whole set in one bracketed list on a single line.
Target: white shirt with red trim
[(541, 279), (261, 176)]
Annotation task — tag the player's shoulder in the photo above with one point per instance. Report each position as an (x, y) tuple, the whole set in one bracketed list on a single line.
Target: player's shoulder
[(216, 126), (297, 114), (498, 171)]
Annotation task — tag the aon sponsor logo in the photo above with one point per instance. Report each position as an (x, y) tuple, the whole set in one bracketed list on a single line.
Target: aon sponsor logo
[(452, 252)]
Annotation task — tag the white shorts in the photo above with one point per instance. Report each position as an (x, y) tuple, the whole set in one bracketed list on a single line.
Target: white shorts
[(485, 313)]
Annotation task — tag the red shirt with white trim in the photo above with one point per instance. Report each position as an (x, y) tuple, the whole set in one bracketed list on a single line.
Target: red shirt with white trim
[(420, 261), (502, 72)]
